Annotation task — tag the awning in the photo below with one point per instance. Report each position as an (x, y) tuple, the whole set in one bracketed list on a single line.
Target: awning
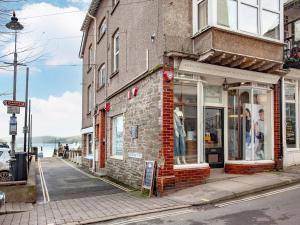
[(87, 130), (293, 74), (206, 69)]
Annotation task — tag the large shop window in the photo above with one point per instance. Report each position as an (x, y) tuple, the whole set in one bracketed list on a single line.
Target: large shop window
[(250, 124), (185, 123), (290, 114), (117, 136)]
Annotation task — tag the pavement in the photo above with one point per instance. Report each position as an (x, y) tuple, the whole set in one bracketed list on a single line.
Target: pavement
[(111, 202)]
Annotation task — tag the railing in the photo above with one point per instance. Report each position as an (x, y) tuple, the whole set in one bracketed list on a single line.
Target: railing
[(292, 41)]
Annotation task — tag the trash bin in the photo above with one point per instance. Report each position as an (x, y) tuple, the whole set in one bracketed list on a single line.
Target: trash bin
[(21, 166)]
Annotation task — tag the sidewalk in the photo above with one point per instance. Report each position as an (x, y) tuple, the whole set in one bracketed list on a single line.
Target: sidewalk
[(236, 187), (115, 206)]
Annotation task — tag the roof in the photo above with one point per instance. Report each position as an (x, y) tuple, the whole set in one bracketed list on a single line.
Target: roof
[(291, 3), (92, 10)]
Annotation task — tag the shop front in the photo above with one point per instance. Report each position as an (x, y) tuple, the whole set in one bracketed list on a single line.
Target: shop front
[(290, 119), (223, 118)]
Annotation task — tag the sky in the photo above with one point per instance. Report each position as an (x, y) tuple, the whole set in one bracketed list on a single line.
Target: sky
[(49, 46)]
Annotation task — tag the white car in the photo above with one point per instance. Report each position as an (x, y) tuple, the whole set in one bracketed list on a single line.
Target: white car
[(4, 162)]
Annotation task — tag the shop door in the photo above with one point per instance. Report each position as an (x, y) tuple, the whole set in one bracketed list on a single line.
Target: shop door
[(213, 136)]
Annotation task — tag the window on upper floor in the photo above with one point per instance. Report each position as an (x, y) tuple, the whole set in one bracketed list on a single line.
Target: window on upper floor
[(101, 29), (116, 51), (90, 57), (256, 17), (90, 99), (102, 76)]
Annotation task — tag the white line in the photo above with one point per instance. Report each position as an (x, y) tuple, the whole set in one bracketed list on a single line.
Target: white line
[(41, 179), (153, 217), (45, 185), (99, 178), (257, 196)]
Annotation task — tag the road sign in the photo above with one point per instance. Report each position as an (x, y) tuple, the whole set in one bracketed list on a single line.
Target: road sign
[(13, 110), (13, 125), (14, 103)]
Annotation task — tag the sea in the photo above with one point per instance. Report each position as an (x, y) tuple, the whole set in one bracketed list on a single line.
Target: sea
[(46, 148)]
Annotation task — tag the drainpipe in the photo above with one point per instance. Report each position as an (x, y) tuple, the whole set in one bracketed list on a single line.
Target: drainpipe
[(94, 94)]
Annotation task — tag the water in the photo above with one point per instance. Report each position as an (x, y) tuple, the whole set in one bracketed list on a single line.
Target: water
[(48, 148)]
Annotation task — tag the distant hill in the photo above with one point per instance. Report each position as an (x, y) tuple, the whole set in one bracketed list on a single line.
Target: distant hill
[(48, 140)]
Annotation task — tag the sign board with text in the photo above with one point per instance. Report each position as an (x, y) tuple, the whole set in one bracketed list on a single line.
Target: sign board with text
[(148, 176), (13, 110), (13, 125), (14, 103)]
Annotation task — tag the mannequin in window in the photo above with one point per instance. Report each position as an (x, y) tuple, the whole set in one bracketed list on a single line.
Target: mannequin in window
[(260, 135), (179, 137), (248, 133)]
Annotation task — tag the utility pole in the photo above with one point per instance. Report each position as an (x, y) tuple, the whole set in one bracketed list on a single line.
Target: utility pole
[(29, 125), (26, 111)]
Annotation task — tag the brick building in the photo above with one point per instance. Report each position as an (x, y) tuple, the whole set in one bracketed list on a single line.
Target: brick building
[(192, 84), (290, 85)]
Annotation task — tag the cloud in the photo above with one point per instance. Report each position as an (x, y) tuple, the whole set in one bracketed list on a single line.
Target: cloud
[(55, 116), (51, 34)]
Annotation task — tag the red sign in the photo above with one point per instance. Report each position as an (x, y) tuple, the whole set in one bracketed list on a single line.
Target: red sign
[(107, 107), (14, 103)]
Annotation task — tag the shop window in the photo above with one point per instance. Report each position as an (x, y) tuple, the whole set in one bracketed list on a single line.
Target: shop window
[(249, 124), (290, 115), (213, 94), (117, 136), (185, 123)]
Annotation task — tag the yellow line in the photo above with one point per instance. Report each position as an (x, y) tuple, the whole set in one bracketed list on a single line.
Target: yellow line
[(42, 184)]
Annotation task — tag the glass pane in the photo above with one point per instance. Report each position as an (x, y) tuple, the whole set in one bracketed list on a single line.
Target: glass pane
[(290, 128), (117, 139), (270, 4), (290, 92), (297, 30), (249, 19), (270, 24), (262, 123), (185, 123), (202, 15), (213, 94), (227, 13), (253, 2), (214, 151)]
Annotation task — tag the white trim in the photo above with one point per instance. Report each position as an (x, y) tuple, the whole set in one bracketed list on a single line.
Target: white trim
[(118, 157), (191, 166), (244, 162), (87, 130), (293, 149), (226, 72)]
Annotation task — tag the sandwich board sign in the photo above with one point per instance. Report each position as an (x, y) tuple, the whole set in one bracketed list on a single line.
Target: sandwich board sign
[(148, 176)]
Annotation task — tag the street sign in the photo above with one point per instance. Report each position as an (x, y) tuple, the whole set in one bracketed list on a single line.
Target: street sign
[(13, 110), (14, 103), (13, 125)]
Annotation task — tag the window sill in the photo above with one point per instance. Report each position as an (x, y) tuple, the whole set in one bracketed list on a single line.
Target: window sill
[(244, 162), (101, 38), (293, 149), (191, 166), (118, 157), (114, 74), (114, 7)]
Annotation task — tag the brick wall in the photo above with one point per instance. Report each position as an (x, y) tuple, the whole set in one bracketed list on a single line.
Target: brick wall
[(190, 177), (248, 169)]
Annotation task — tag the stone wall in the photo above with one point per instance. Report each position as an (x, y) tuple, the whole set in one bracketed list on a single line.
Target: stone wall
[(144, 112)]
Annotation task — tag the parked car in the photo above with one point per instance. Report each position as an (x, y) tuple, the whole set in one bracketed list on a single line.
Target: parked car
[(4, 162)]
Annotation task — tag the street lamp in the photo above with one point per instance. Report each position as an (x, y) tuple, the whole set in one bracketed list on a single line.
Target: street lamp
[(16, 26)]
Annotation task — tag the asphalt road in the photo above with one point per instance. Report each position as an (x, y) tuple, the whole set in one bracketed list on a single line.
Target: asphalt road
[(64, 182), (276, 209)]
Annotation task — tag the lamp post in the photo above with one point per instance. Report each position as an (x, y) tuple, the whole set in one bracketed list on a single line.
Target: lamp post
[(16, 26)]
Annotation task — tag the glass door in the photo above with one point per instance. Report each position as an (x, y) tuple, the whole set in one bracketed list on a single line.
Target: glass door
[(213, 136)]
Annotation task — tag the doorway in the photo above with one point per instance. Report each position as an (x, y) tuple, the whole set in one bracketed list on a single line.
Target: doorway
[(214, 136)]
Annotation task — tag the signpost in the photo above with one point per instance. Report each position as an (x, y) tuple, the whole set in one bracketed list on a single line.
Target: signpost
[(14, 103)]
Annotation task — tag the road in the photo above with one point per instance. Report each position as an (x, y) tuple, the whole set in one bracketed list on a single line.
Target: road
[(65, 182), (273, 208)]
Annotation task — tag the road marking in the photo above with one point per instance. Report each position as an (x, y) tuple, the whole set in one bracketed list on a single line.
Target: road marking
[(137, 220), (99, 178), (43, 183), (258, 196)]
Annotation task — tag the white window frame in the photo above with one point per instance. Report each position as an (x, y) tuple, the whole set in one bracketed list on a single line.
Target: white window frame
[(102, 76), (116, 52), (90, 56), (113, 150), (102, 28), (212, 19), (296, 101)]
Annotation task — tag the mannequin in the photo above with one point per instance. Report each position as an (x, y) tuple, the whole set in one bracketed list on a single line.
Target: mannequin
[(179, 137)]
